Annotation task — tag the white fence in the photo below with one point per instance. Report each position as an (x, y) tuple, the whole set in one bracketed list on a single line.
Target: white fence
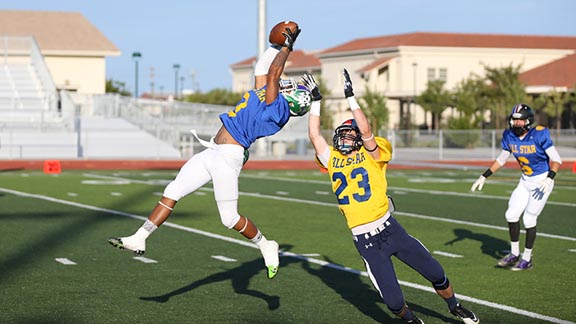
[(170, 122)]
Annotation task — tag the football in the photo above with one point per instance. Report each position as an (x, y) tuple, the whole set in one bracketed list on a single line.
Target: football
[(276, 37)]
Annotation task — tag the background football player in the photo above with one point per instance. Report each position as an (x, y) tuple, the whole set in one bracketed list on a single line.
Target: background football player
[(539, 161), (357, 164)]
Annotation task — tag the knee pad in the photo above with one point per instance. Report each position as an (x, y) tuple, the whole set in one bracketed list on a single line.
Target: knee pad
[(228, 210), (530, 220), (442, 284), (513, 216)]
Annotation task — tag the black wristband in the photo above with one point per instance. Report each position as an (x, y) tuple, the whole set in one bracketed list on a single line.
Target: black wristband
[(551, 174), (372, 150), (487, 173)]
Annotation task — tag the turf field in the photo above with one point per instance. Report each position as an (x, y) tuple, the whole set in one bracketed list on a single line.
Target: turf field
[(56, 266)]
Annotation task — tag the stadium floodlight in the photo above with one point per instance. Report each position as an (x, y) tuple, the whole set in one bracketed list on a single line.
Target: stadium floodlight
[(136, 57)]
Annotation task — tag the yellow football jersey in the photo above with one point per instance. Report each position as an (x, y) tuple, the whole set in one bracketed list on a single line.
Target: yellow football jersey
[(359, 183)]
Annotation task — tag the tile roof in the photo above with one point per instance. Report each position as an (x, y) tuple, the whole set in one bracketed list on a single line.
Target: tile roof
[(56, 31), (559, 73), (455, 40), (376, 64)]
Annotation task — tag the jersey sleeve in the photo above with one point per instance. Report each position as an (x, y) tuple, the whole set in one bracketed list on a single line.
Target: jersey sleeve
[(385, 149), (543, 137), (505, 141)]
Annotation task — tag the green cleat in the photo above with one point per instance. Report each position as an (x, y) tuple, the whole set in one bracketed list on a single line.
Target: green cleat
[(272, 271)]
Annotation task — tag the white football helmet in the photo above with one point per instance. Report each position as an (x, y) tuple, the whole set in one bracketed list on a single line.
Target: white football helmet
[(297, 95)]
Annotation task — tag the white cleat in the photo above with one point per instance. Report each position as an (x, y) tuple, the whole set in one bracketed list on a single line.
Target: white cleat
[(137, 246), (271, 260)]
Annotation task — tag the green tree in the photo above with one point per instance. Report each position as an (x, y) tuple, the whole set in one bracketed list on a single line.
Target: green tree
[(375, 109), (435, 99), (504, 91), (113, 86), (470, 99)]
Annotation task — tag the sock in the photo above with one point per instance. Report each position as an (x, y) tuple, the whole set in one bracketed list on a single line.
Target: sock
[(515, 248), (259, 239), (452, 302), (409, 315), (527, 255), (145, 230)]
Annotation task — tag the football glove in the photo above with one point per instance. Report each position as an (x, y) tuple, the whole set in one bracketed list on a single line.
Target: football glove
[(311, 84), (478, 184), (544, 188), (291, 37), (348, 91)]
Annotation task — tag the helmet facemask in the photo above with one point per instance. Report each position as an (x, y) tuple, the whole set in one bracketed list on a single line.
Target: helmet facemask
[(521, 112), (297, 95), (347, 137)]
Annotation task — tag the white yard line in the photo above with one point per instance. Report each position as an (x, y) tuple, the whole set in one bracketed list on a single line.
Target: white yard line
[(223, 258), (446, 254), (311, 260), (65, 261), (145, 259)]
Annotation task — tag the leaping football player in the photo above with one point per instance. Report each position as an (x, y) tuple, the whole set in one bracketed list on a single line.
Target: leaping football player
[(261, 112)]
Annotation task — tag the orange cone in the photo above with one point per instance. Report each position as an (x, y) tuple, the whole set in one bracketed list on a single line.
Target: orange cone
[(52, 167), (574, 167)]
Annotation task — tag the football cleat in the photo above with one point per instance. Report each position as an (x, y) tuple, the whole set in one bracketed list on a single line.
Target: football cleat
[(466, 315), (129, 243), (415, 321), (271, 260), (508, 260), (522, 265)]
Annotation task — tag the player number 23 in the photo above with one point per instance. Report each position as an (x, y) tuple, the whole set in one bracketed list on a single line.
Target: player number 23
[(361, 179)]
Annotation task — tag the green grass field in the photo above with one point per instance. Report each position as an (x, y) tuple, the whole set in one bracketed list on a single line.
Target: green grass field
[(204, 273)]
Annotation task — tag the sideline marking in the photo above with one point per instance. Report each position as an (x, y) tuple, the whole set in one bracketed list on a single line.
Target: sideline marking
[(297, 256), (65, 261)]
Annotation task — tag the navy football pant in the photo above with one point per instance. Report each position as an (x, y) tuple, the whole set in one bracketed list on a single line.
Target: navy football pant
[(377, 251)]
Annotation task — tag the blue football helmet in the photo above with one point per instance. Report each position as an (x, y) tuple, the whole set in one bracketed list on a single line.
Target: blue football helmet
[(297, 95), (524, 112), (347, 131)]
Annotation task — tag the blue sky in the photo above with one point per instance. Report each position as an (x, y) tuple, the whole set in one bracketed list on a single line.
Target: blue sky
[(206, 37)]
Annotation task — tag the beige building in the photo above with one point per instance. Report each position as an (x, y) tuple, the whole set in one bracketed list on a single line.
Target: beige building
[(400, 66), (74, 50)]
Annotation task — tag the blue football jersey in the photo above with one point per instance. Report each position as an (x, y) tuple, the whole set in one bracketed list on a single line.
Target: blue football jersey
[(530, 152), (252, 118)]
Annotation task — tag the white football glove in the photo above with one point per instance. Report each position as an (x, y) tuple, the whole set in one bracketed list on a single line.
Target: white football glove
[(478, 184), (546, 185)]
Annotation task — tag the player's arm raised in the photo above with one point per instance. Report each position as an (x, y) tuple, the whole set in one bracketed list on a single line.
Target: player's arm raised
[(360, 118), (319, 143), (277, 67)]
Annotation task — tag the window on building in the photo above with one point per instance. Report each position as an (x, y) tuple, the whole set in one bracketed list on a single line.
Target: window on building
[(431, 74), (443, 74), (437, 74)]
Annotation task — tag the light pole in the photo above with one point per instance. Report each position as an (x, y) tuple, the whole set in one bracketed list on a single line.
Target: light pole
[(414, 66), (176, 67), (136, 57)]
